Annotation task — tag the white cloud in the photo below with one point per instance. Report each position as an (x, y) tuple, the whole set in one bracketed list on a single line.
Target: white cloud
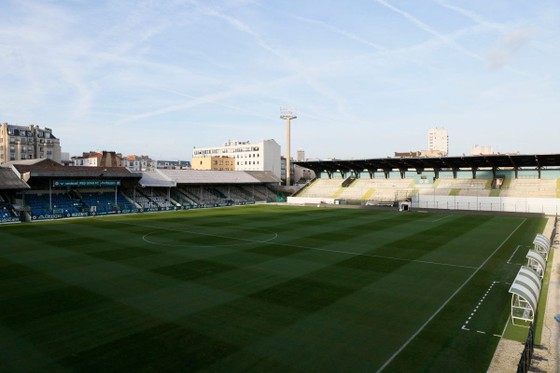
[(507, 46)]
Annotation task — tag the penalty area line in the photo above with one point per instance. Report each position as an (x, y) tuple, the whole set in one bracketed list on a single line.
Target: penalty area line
[(512, 255), (407, 342)]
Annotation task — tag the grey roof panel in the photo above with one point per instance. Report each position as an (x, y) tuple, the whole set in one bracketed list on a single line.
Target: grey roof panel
[(9, 180)]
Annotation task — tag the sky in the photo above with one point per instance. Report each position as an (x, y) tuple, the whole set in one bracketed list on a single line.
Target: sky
[(366, 78)]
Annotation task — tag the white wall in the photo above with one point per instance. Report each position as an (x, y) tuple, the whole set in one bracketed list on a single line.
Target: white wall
[(549, 206), (310, 200)]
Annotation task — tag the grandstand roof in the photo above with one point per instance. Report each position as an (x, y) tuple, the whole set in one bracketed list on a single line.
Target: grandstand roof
[(466, 162), (542, 244), (50, 168), (535, 257), (156, 179), (10, 180), (527, 285), (219, 177)]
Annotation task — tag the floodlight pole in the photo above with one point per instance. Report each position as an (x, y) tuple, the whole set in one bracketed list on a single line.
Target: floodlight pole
[(288, 115)]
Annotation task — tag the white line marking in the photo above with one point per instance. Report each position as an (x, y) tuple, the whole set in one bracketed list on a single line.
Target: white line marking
[(380, 256), (478, 331), (512, 255), (448, 300), (377, 256), (445, 217), (145, 239), (498, 335)]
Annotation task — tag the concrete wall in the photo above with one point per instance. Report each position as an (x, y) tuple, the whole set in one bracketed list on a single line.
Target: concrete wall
[(310, 200), (549, 206)]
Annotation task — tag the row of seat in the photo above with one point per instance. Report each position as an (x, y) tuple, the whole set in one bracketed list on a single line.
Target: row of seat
[(397, 189)]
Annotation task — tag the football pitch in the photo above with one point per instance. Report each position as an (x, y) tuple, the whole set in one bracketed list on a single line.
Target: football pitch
[(259, 288)]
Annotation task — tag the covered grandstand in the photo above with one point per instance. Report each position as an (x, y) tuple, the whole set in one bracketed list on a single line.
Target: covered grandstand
[(43, 189), (494, 163), (517, 183), (194, 189), (9, 183)]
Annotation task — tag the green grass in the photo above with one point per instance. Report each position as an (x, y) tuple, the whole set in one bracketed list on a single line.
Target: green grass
[(257, 288)]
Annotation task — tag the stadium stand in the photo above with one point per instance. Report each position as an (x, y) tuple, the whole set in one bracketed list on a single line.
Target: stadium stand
[(321, 188), (99, 202), (516, 183), (379, 190), (58, 191), (463, 187), (536, 188)]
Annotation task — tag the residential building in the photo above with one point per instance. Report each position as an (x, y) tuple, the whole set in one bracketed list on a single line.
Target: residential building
[(301, 155), (89, 159), (173, 165), (438, 140), (420, 153), (301, 173), (482, 150), (138, 163), (213, 163), (97, 159), (261, 156), (27, 142)]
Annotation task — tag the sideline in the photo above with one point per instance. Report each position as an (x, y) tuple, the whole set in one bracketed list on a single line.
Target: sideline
[(507, 354), (405, 344)]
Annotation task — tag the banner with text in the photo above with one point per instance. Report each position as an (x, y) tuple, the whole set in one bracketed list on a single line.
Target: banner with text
[(85, 183)]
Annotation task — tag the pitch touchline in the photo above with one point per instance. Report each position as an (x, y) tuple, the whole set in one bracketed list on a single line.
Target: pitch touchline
[(448, 300)]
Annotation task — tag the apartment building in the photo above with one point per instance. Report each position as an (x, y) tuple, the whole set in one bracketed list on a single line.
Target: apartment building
[(28, 142)]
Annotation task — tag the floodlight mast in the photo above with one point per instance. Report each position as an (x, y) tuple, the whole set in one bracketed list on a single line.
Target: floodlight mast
[(288, 114)]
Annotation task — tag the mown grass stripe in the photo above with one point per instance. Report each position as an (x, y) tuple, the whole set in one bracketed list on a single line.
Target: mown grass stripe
[(250, 300), (407, 342)]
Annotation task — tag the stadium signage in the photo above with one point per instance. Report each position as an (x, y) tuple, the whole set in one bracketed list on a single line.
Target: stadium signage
[(86, 183)]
